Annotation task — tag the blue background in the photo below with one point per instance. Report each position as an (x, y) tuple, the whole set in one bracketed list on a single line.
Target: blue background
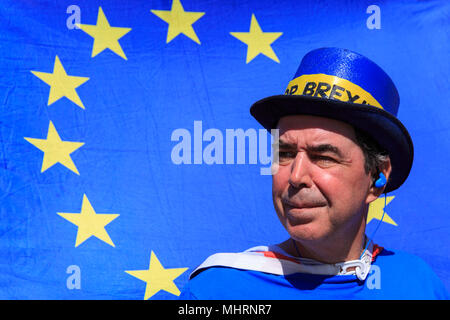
[(185, 213)]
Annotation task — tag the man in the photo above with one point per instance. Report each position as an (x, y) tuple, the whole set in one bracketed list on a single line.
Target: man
[(340, 147)]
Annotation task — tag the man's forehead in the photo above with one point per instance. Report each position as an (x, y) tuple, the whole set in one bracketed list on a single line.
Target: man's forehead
[(292, 126), (314, 133)]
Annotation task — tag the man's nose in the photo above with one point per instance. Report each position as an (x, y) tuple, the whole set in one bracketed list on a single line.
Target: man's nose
[(300, 175)]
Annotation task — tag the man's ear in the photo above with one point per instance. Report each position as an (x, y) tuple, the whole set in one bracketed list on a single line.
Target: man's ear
[(374, 192)]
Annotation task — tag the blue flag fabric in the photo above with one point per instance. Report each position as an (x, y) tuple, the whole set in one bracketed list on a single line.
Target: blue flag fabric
[(121, 168)]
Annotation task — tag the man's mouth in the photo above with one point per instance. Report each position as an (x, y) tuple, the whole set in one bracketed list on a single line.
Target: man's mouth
[(302, 204), (301, 212)]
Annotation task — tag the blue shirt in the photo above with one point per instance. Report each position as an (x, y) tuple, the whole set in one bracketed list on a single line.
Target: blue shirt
[(393, 275)]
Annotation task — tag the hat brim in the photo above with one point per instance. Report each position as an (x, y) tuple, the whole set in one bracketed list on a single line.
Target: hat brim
[(382, 126)]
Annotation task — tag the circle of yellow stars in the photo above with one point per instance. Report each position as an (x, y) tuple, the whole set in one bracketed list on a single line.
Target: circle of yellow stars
[(57, 151)]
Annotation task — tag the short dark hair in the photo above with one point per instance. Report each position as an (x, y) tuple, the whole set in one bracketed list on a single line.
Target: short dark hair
[(374, 154)]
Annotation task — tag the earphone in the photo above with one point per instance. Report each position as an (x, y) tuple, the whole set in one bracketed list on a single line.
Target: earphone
[(381, 181)]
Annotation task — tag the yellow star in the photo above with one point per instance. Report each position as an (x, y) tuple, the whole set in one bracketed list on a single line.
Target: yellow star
[(55, 150), (105, 36), (90, 223), (376, 211), (61, 84), (258, 41), (179, 21), (158, 278)]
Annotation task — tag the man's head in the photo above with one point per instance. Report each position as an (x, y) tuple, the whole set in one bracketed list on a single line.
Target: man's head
[(340, 84), (324, 182), (334, 114)]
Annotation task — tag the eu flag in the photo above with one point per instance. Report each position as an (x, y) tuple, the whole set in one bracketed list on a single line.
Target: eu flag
[(128, 154)]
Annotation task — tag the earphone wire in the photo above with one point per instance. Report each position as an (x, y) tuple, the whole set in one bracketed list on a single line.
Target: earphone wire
[(376, 228)]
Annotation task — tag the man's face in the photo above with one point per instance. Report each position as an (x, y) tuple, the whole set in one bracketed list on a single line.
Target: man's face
[(321, 188)]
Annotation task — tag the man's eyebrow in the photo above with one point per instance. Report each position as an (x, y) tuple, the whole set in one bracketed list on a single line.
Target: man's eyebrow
[(322, 148), (284, 145)]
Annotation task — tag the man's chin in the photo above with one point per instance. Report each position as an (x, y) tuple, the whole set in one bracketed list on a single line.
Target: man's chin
[(307, 231), (303, 224), (303, 216)]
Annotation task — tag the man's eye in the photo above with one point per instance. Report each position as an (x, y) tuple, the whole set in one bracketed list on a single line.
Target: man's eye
[(323, 159), (286, 154)]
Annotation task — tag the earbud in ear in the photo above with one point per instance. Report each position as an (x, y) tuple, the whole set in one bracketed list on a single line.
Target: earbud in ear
[(381, 181)]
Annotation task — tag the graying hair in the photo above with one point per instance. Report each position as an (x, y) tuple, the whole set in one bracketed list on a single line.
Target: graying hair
[(375, 156)]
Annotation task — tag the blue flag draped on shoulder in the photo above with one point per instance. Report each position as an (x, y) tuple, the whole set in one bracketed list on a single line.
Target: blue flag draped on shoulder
[(128, 154)]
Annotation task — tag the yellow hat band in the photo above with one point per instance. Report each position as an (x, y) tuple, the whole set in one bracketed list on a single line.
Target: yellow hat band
[(330, 87)]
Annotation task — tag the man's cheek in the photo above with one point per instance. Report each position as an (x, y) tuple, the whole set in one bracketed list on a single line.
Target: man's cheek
[(280, 181), (328, 184)]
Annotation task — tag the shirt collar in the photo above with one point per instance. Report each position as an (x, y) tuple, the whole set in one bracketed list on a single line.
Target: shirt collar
[(359, 267)]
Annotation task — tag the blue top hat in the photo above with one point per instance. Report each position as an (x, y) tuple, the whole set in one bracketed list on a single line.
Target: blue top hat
[(344, 85)]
